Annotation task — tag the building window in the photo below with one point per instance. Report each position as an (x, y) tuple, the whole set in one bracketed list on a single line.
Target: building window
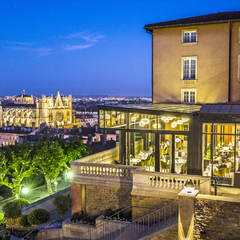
[(189, 68), (189, 36), (189, 95)]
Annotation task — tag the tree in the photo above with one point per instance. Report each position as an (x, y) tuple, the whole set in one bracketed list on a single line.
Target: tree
[(16, 165), (49, 160), (62, 204)]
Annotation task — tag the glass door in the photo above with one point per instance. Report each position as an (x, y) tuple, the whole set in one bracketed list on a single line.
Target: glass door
[(165, 150)]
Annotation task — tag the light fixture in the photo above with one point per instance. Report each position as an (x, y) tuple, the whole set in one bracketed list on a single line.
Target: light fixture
[(185, 119), (25, 190), (179, 122), (173, 124), (69, 174), (143, 122), (189, 186), (156, 125)]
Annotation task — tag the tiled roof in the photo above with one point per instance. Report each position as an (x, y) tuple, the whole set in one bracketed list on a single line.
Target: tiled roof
[(198, 20)]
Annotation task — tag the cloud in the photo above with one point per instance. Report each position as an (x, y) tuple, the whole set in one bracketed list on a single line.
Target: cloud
[(41, 51), (75, 47), (89, 41)]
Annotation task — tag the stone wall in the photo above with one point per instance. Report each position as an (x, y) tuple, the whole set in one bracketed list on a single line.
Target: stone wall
[(147, 205), (99, 198), (220, 219), (170, 234)]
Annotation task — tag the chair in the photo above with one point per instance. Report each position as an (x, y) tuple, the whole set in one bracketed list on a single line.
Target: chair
[(164, 166), (184, 168), (220, 173)]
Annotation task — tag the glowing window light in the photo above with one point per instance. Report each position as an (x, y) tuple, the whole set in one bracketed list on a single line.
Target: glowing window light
[(179, 122), (167, 119), (123, 116), (107, 116), (143, 122), (155, 125), (173, 124), (185, 119), (113, 112), (133, 119)]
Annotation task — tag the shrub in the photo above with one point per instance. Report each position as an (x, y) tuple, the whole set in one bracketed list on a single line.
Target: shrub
[(22, 202), (23, 221), (108, 212), (77, 216), (11, 210), (85, 217), (38, 216)]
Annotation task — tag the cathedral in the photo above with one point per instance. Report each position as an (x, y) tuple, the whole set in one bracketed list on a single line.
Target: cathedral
[(25, 111)]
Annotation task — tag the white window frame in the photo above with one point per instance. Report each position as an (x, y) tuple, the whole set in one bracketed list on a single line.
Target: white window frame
[(189, 31), (188, 90), (182, 68)]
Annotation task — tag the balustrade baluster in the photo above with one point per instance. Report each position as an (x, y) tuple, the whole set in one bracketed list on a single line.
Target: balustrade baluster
[(169, 183)]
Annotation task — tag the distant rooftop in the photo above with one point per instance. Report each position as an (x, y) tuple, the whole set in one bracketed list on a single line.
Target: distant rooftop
[(220, 17), (159, 107)]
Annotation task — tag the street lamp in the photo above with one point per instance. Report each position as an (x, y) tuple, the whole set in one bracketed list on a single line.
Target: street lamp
[(67, 175), (25, 190)]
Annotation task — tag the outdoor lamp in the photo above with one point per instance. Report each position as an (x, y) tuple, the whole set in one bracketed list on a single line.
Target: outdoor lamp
[(25, 190), (69, 174), (189, 187)]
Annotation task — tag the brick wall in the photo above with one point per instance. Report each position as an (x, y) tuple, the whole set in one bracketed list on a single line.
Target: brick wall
[(148, 205), (220, 219), (170, 234), (99, 198)]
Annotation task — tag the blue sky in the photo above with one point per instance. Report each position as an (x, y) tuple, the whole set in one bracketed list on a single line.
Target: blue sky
[(85, 47)]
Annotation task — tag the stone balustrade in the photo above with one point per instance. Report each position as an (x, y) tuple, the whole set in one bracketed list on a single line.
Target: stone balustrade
[(144, 182), (102, 170)]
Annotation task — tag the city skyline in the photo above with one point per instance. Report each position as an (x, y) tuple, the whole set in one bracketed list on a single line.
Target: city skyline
[(84, 47)]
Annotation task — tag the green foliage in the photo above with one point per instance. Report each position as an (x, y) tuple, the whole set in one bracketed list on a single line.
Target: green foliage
[(2, 222), (23, 221), (62, 204), (23, 161), (38, 216), (11, 210), (21, 202), (77, 216), (108, 212), (85, 217)]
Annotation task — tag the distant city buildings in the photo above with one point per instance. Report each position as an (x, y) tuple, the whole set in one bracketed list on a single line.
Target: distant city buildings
[(24, 111)]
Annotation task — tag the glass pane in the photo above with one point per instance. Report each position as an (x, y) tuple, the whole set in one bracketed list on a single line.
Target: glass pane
[(192, 97), (207, 128), (237, 167), (223, 158), (143, 121), (174, 123), (165, 150), (186, 97), (101, 114), (141, 150), (115, 119), (181, 154), (224, 128), (207, 163)]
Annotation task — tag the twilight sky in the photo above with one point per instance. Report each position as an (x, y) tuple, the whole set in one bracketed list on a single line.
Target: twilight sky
[(85, 47)]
